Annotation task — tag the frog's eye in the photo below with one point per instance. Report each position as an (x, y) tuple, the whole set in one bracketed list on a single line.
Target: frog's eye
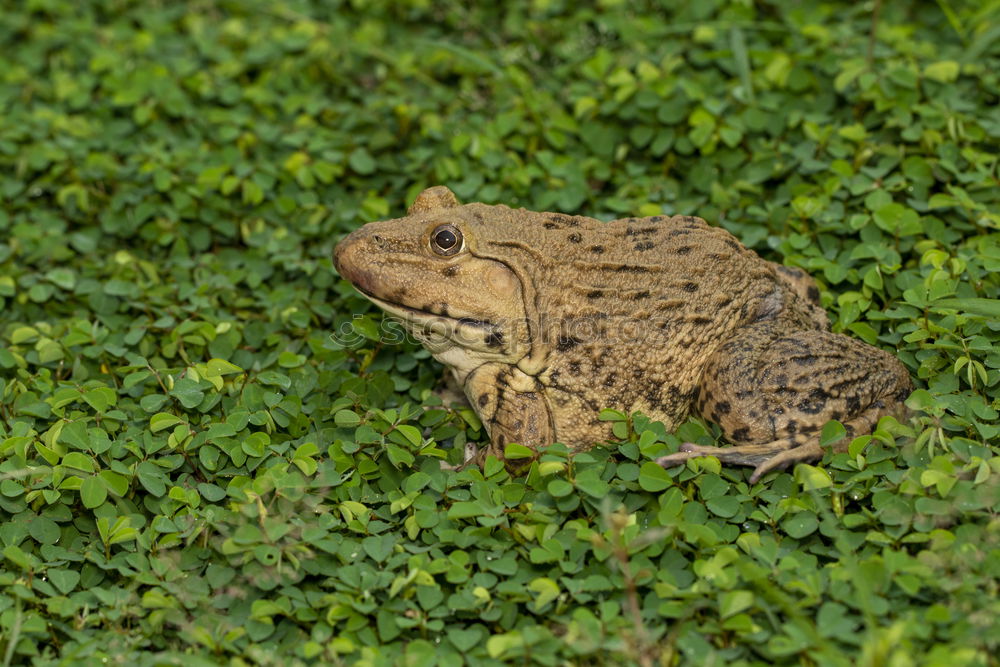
[(446, 240)]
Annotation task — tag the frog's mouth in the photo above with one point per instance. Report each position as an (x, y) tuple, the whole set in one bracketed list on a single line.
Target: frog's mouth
[(429, 326)]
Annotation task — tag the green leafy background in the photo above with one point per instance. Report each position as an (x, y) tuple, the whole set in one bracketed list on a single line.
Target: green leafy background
[(194, 470)]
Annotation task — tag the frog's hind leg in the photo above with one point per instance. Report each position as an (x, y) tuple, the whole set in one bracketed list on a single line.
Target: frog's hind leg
[(777, 454), (772, 393)]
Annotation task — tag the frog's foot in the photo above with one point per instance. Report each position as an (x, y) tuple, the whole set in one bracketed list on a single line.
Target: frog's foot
[(807, 452), (765, 458), (468, 456)]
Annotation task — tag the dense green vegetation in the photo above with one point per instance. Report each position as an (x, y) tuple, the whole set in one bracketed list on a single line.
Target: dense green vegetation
[(194, 471)]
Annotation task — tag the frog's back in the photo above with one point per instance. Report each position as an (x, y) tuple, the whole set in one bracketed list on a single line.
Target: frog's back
[(636, 267)]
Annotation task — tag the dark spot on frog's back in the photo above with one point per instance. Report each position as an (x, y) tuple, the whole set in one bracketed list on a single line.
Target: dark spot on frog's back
[(638, 296), (690, 286), (814, 402), (684, 250), (550, 225), (631, 268), (563, 219), (595, 294), (566, 343), (813, 293), (575, 238), (651, 392), (483, 400), (741, 434), (596, 249), (645, 245), (450, 271), (789, 271)]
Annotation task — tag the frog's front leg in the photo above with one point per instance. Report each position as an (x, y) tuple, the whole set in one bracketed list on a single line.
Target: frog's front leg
[(772, 392), (512, 406)]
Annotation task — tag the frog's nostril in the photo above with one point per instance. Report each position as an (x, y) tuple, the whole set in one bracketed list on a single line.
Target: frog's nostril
[(378, 240)]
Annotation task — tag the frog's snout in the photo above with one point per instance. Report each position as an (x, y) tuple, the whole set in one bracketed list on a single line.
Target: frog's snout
[(349, 257)]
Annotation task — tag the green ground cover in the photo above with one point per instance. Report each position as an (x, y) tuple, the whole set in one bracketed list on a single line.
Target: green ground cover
[(194, 471)]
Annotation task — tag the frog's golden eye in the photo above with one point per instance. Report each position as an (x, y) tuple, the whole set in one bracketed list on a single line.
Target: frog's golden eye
[(446, 240)]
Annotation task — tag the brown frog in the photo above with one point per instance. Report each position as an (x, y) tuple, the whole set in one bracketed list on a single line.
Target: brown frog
[(544, 319)]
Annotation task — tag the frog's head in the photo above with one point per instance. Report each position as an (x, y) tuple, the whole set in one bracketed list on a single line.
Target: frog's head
[(425, 269)]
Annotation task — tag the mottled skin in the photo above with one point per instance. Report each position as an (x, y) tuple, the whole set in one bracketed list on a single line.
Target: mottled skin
[(546, 318)]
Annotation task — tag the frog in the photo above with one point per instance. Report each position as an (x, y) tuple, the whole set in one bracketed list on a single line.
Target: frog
[(546, 319)]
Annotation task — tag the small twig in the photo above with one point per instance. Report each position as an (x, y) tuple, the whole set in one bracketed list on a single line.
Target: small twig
[(632, 597), (617, 522)]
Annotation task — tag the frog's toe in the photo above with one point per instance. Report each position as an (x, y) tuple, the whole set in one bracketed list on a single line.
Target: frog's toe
[(687, 450), (807, 452)]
